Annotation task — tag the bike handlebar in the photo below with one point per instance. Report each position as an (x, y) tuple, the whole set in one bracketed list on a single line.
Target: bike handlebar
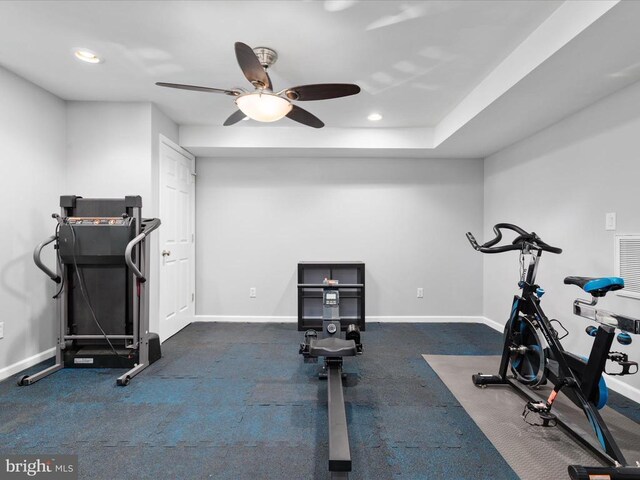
[(523, 241)]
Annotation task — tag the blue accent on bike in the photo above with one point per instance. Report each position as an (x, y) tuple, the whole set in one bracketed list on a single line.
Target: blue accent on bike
[(540, 292), (598, 430), (603, 390), (604, 393), (604, 282), (515, 364), (624, 338)]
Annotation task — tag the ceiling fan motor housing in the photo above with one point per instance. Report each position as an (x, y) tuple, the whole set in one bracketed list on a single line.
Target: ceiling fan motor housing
[(266, 56)]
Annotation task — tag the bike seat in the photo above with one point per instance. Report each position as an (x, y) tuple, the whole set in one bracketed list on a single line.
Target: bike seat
[(596, 286), (332, 347)]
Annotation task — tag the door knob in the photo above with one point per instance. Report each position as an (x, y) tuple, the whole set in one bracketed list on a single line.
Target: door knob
[(166, 253)]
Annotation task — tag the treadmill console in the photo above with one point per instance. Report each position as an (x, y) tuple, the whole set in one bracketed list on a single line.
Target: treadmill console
[(95, 240)]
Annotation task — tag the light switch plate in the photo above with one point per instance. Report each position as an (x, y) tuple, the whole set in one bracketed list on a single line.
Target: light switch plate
[(610, 221)]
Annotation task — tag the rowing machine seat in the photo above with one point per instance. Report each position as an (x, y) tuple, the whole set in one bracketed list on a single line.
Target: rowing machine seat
[(332, 347)]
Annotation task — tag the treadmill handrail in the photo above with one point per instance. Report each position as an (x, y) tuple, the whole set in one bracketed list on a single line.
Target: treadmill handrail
[(149, 226), (38, 261)]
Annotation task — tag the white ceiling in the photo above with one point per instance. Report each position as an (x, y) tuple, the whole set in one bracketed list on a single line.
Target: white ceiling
[(414, 60), (451, 78)]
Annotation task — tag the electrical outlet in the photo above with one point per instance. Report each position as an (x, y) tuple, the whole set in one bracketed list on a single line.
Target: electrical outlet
[(252, 292), (420, 292), (1, 329), (610, 221)]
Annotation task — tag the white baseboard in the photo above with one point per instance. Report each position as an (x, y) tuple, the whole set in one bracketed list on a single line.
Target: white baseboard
[(381, 319), (425, 319), (246, 318), (493, 324), (623, 388), (6, 372)]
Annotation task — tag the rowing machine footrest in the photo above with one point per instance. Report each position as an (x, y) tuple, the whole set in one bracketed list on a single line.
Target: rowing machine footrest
[(481, 379)]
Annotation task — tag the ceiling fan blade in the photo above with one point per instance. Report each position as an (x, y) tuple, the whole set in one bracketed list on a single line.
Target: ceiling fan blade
[(234, 118), (198, 89), (321, 91), (306, 118), (251, 66)]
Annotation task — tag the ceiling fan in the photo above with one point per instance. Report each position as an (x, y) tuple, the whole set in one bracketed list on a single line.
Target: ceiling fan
[(263, 104)]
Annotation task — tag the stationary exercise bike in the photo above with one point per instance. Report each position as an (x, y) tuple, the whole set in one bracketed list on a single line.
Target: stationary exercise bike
[(534, 355)]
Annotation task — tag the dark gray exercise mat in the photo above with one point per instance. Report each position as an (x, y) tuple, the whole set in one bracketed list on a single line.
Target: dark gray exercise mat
[(532, 452)]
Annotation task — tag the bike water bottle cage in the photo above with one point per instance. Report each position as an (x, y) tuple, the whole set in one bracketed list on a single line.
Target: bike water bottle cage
[(596, 286), (524, 242)]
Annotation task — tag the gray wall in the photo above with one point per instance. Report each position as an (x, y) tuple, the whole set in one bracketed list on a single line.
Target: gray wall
[(113, 151), (32, 152), (560, 183), (109, 149), (405, 218)]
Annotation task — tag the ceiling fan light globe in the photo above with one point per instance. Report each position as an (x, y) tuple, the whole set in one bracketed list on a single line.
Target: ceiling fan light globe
[(263, 107)]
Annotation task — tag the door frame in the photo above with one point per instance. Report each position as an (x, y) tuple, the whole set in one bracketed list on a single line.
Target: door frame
[(166, 142)]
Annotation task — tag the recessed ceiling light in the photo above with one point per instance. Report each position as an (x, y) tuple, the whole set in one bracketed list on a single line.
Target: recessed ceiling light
[(374, 117), (86, 55)]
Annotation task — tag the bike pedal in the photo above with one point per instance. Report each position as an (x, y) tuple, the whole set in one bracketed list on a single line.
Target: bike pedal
[(548, 419), (627, 365)]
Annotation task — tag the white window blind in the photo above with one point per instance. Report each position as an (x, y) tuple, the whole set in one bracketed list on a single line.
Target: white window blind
[(628, 264)]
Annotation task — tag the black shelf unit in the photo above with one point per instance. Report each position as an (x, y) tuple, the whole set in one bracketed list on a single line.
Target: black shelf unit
[(310, 298)]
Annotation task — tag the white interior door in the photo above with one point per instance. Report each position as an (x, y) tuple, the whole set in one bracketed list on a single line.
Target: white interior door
[(177, 237)]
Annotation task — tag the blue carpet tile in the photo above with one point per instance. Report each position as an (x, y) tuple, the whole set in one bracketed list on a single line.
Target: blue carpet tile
[(236, 401)]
